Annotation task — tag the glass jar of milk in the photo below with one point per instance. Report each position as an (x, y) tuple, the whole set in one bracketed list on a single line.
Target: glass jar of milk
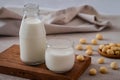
[(32, 36), (59, 55)]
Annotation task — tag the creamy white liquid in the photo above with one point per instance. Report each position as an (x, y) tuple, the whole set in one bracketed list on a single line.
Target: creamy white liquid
[(59, 60), (32, 41)]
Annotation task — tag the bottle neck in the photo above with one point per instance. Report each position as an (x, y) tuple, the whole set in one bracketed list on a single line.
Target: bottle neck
[(31, 14), (31, 10)]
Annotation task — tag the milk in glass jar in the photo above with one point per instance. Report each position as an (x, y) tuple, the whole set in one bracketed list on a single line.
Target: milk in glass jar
[(59, 55)]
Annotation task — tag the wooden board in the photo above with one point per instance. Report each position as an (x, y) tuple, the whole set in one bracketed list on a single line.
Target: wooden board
[(11, 64)]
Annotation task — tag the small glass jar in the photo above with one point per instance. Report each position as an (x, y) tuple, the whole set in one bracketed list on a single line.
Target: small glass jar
[(59, 55)]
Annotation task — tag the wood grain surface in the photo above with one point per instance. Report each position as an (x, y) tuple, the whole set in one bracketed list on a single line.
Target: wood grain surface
[(11, 64)]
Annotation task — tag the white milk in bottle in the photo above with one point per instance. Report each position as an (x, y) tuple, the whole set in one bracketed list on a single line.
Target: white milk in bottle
[(32, 37)]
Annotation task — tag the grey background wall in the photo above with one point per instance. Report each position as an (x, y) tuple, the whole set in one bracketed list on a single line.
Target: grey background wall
[(103, 6)]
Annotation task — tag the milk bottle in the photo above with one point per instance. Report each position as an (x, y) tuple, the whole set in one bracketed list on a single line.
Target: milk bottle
[(32, 36)]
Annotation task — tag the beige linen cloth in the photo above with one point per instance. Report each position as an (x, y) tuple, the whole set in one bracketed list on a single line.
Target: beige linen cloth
[(74, 19)]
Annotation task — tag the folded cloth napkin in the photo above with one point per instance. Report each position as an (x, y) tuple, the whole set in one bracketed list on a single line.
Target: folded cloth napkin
[(74, 19), (9, 22)]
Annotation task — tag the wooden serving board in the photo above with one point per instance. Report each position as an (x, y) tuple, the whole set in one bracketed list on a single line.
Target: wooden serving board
[(11, 64)]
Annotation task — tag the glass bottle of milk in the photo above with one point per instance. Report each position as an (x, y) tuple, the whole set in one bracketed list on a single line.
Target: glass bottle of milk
[(32, 36)]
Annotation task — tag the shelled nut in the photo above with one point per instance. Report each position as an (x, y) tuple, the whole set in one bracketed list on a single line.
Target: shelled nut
[(99, 36), (94, 41), (101, 60), (89, 52), (88, 47), (92, 71), (83, 41), (103, 70), (114, 65), (80, 58), (79, 47)]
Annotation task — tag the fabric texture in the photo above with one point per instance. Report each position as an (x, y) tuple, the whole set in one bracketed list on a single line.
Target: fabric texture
[(74, 19), (9, 22)]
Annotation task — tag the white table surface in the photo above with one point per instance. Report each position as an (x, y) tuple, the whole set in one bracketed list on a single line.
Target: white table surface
[(110, 34)]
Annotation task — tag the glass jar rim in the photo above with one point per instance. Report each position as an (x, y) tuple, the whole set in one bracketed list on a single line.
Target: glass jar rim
[(59, 43)]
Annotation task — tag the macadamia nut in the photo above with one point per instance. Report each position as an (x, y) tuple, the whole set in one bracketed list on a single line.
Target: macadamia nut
[(99, 36), (110, 52), (118, 44), (88, 47), (112, 44), (114, 65), (103, 70), (89, 52), (101, 46), (83, 41), (79, 47), (104, 49), (108, 46), (117, 53), (92, 71), (80, 58), (94, 41), (101, 60)]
